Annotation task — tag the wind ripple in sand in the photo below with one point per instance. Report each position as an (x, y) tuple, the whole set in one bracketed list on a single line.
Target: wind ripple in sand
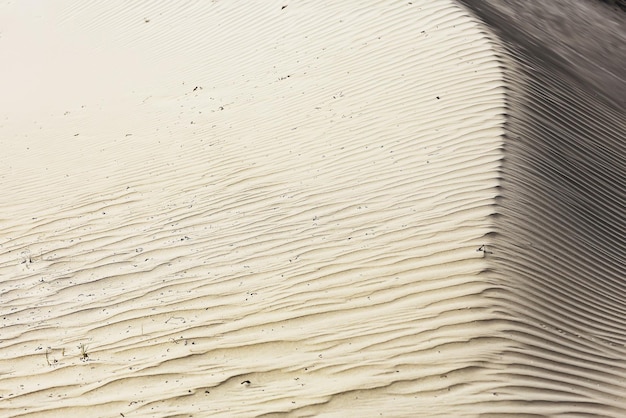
[(294, 228), (560, 248), (276, 210)]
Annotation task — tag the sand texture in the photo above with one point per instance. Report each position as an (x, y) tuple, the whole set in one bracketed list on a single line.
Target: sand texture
[(312, 208)]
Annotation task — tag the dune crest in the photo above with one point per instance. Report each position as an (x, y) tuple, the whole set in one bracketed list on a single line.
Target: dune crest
[(559, 233)]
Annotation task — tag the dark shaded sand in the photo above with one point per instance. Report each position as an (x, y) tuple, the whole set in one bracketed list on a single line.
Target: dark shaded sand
[(560, 231)]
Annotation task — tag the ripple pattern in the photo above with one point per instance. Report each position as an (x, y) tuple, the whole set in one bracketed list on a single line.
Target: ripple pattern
[(275, 209), (560, 243)]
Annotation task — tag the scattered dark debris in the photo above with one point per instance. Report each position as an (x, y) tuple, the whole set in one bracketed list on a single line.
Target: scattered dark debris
[(483, 248)]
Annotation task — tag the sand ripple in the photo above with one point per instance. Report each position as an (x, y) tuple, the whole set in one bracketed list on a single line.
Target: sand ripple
[(306, 208)]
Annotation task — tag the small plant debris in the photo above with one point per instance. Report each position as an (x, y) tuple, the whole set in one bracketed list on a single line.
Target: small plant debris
[(83, 352)]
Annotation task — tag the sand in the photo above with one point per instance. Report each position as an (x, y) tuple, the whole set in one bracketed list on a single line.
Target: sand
[(306, 209)]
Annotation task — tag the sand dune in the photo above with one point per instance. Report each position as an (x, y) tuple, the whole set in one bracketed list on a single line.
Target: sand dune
[(305, 209)]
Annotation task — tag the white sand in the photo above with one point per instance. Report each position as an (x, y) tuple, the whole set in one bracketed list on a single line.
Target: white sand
[(239, 208)]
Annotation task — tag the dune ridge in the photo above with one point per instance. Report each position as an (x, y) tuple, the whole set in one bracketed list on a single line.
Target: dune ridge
[(559, 242)]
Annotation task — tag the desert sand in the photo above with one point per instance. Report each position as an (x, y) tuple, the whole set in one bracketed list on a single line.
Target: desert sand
[(311, 208)]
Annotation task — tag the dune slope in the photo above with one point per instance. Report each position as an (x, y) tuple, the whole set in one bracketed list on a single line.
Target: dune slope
[(244, 209), (310, 208)]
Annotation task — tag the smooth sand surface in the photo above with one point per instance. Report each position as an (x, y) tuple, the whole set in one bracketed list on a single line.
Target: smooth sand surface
[(310, 208)]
